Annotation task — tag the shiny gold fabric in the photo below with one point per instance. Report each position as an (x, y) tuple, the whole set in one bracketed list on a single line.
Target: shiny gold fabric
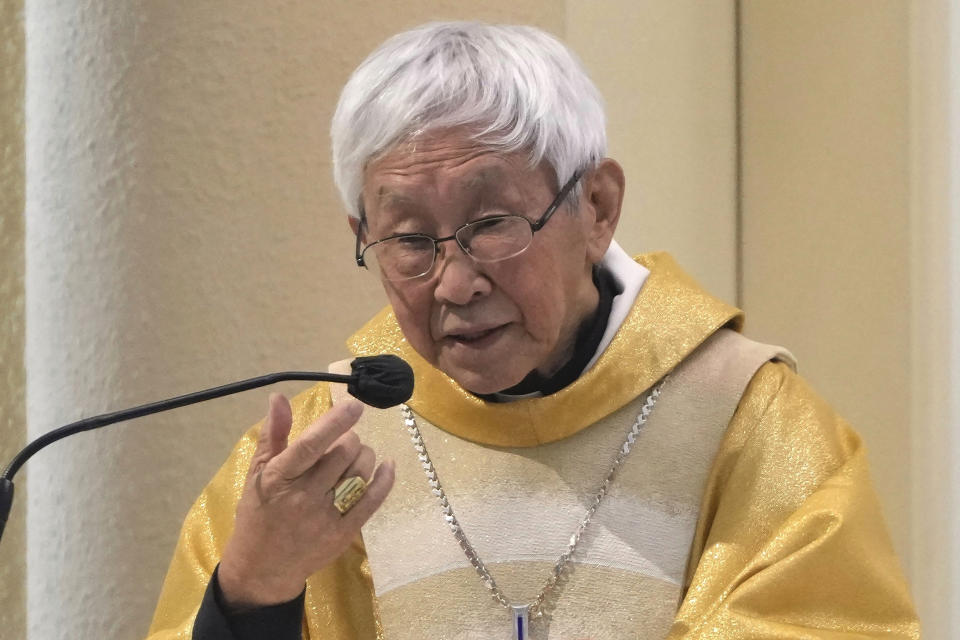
[(790, 542), (672, 318)]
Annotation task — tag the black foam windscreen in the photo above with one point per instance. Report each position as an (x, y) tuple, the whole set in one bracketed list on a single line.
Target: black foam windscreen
[(381, 381)]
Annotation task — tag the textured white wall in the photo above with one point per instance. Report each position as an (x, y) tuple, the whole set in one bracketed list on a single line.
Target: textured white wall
[(179, 227), (12, 376)]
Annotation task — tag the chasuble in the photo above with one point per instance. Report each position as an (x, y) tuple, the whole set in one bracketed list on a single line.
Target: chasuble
[(745, 509)]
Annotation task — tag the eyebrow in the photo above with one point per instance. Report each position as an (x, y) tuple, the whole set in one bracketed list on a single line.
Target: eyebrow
[(385, 197), (484, 177)]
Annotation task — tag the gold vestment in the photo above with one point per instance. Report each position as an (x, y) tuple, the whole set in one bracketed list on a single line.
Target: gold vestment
[(789, 543)]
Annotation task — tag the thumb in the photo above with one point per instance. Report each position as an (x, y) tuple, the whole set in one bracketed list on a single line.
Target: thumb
[(274, 431)]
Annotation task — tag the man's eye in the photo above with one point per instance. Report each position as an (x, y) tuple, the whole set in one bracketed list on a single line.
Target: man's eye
[(410, 246), (488, 224), (412, 242)]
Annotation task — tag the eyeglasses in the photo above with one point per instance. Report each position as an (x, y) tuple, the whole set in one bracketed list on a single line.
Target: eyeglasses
[(411, 255)]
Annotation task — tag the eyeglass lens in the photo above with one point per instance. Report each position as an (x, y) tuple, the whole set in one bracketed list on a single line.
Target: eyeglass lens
[(487, 240)]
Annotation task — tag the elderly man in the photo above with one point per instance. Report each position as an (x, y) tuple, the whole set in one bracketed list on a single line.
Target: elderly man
[(592, 449)]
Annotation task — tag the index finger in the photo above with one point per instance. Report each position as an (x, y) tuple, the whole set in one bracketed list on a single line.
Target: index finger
[(304, 452)]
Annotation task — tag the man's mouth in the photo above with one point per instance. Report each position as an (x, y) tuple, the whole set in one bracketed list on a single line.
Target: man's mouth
[(474, 337)]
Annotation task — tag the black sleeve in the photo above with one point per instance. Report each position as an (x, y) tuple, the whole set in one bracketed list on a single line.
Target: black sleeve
[(215, 622)]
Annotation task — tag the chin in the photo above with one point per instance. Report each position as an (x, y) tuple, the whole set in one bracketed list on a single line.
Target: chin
[(481, 381)]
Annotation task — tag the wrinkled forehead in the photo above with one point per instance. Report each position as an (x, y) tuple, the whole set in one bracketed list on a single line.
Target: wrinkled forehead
[(446, 167)]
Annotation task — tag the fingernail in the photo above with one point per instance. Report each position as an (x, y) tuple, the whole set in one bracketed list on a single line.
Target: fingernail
[(354, 408)]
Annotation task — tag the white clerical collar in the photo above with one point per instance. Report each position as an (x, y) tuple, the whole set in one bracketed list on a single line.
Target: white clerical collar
[(630, 277)]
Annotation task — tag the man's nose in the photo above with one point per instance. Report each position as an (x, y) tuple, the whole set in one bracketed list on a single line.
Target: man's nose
[(460, 279)]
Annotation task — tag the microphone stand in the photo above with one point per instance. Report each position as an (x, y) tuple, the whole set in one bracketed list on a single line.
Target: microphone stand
[(381, 381)]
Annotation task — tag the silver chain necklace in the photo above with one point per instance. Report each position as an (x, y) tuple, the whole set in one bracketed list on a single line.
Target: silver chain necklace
[(523, 612)]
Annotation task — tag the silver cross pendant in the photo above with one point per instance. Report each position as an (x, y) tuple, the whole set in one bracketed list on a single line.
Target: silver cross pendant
[(521, 621)]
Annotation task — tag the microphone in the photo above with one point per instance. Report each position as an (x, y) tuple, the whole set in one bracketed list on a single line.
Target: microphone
[(379, 381)]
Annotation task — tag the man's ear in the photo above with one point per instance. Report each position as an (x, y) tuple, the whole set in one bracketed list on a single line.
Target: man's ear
[(603, 194)]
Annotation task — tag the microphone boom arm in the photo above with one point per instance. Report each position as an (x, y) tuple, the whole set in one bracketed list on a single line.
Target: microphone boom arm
[(105, 419), (381, 381)]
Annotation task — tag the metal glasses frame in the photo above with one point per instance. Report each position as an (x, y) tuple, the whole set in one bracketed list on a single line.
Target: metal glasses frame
[(534, 227)]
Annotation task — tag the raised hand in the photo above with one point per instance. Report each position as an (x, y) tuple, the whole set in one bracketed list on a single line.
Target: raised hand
[(287, 526)]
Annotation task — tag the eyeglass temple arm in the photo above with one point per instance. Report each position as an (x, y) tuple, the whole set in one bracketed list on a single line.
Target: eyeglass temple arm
[(561, 196), (360, 225)]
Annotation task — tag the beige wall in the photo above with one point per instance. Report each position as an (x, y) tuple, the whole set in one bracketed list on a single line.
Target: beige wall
[(12, 414), (667, 71), (935, 314), (826, 252), (849, 214)]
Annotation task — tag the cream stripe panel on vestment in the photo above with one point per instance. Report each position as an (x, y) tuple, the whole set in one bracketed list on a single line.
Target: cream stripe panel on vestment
[(503, 539), (519, 506)]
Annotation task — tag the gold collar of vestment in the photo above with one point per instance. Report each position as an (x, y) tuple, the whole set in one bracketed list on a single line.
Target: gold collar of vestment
[(671, 317)]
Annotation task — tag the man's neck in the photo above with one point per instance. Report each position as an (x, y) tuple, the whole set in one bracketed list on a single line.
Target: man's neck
[(585, 345)]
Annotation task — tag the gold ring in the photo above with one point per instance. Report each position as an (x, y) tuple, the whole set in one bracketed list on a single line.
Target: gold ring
[(348, 493)]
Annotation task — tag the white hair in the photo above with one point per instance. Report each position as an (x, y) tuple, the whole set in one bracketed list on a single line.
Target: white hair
[(515, 87)]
